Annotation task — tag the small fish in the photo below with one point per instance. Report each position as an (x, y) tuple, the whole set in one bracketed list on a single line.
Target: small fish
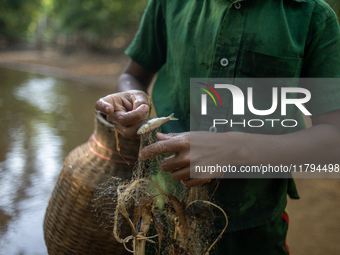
[(154, 123)]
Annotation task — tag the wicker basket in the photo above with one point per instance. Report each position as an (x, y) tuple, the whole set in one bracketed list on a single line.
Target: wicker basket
[(70, 225)]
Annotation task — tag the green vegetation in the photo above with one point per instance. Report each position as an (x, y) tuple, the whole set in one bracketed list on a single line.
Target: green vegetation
[(17, 17), (93, 23), (67, 22), (74, 23), (97, 17)]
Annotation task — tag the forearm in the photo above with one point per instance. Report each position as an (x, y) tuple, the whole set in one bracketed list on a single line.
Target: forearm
[(134, 77), (318, 145), (128, 82)]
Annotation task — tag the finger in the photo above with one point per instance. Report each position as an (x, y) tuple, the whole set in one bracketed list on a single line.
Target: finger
[(161, 136), (114, 102), (139, 98), (130, 118), (175, 162), (159, 148), (178, 142), (155, 149), (180, 174), (189, 183), (125, 101), (104, 107), (119, 101)]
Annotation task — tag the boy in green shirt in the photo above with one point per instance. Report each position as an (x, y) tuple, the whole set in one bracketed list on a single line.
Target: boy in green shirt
[(234, 39)]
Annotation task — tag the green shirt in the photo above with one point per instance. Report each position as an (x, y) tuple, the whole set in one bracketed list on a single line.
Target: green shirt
[(239, 39)]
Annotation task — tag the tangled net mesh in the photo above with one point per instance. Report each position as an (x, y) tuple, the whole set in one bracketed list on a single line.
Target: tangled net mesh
[(169, 217)]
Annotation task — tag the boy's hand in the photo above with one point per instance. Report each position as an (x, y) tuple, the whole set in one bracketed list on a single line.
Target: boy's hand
[(127, 110), (179, 163)]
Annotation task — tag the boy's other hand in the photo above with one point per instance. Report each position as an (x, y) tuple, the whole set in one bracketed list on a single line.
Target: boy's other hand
[(179, 163), (126, 110)]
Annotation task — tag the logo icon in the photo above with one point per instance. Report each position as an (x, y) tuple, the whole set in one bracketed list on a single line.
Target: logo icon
[(204, 97)]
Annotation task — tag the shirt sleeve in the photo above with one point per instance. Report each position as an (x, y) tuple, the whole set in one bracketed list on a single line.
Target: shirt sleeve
[(148, 47), (322, 61)]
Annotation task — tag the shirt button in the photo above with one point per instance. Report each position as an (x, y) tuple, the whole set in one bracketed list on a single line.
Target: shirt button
[(213, 129), (224, 62), (237, 5)]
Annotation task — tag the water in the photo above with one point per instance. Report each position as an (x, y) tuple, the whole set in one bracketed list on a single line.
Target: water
[(41, 120)]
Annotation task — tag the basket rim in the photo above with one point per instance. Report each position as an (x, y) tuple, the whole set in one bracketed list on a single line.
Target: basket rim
[(100, 117)]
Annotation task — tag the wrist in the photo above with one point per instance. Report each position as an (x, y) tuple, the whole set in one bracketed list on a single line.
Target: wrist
[(237, 143)]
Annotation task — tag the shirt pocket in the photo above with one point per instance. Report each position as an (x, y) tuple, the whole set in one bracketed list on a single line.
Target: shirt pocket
[(256, 64)]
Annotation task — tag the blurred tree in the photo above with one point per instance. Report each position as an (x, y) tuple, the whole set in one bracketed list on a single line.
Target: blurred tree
[(18, 18), (96, 21), (85, 22)]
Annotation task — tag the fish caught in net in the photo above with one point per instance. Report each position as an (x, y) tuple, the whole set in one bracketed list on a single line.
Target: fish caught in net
[(164, 216)]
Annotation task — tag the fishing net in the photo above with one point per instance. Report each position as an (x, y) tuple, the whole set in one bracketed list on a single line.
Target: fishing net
[(163, 215)]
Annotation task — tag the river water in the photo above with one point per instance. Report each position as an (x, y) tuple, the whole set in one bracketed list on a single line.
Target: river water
[(41, 120)]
